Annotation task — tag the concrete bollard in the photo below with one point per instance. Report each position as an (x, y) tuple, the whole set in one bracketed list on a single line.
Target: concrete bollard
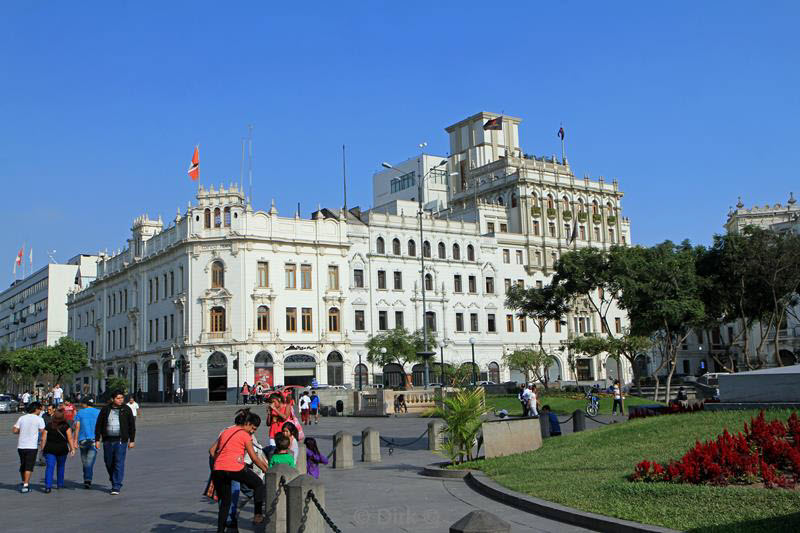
[(342, 450), (370, 446), (480, 522), (544, 424), (435, 434), (277, 521), (578, 421), (296, 500), (301, 459)]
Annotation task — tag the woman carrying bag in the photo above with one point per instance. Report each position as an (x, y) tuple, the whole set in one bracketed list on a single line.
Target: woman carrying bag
[(56, 444), (228, 453)]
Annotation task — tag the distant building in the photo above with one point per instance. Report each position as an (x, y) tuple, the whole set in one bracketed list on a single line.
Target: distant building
[(226, 294), (33, 311)]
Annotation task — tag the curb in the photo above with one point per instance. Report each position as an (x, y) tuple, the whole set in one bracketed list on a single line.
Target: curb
[(437, 470), (482, 484)]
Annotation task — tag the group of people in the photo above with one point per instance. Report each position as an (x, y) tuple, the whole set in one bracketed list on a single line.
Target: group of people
[(54, 396), (61, 432), (528, 400), (254, 394), (236, 450)]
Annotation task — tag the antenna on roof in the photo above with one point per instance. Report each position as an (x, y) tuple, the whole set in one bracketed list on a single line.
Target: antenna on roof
[(241, 169), (344, 177), (250, 171)]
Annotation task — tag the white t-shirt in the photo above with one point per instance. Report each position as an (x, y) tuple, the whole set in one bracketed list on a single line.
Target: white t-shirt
[(58, 392), (526, 395), (26, 398), (617, 393), (305, 403), (134, 407), (29, 427)]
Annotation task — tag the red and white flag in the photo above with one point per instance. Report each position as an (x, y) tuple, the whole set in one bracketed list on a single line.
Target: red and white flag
[(19, 255), (194, 168)]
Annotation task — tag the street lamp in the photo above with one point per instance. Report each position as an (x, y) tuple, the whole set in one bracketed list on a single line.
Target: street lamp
[(238, 383), (383, 358), (442, 344), (360, 385), (425, 354), (474, 377)]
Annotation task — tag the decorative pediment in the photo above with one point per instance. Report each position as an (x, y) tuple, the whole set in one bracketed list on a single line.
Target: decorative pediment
[(473, 305), (219, 293), (399, 303), (382, 303), (458, 305), (358, 259), (490, 306), (359, 301), (488, 267)]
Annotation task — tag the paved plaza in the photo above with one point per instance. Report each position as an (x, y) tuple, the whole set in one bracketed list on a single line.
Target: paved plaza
[(167, 471)]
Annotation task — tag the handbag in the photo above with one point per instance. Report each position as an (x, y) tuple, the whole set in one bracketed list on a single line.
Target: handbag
[(210, 491)]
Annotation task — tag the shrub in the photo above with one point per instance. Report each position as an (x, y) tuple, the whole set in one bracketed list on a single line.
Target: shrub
[(767, 452)]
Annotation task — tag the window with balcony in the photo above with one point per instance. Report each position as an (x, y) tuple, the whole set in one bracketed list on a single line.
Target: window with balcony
[(333, 320), (217, 322), (262, 320)]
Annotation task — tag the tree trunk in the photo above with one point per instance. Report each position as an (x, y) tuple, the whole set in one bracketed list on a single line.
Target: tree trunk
[(658, 386), (669, 381)]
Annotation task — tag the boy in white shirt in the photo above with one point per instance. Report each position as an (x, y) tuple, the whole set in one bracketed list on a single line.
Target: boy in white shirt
[(29, 427), (134, 406)]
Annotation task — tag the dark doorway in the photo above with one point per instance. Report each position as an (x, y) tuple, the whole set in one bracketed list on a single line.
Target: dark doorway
[(299, 369), (217, 377), (152, 382)]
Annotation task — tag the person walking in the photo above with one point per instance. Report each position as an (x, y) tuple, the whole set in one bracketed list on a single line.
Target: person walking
[(227, 455), (245, 393), (58, 395), (57, 442), (116, 430), (47, 415), (618, 397), (29, 427), (526, 400), (315, 406), (534, 402), (26, 400), (259, 392), (85, 422), (313, 457), (305, 408), (135, 409), (523, 402)]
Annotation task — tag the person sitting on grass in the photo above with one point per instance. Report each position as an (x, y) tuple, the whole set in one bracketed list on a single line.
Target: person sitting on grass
[(555, 427), (282, 455)]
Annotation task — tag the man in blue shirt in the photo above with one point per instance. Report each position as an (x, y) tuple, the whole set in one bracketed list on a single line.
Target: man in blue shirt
[(315, 406), (85, 422), (555, 427)]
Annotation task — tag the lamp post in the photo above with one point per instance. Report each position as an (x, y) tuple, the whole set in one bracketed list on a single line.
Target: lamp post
[(383, 358), (442, 344), (360, 379), (425, 354), (238, 383), (474, 377)]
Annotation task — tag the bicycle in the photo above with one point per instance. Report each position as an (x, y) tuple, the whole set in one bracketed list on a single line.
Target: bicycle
[(592, 404)]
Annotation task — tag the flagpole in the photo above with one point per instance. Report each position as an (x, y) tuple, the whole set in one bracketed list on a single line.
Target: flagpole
[(344, 178), (563, 151)]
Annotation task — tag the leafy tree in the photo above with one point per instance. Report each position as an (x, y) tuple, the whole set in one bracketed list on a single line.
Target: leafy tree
[(462, 414), (542, 305), (117, 383), (65, 358), (531, 362), (401, 348)]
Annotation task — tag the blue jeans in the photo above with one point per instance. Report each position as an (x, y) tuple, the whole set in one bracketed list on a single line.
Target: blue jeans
[(114, 456), (88, 457), (236, 488), (54, 462)]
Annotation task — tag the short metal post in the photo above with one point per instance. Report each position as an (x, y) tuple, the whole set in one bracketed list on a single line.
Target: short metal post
[(578, 421)]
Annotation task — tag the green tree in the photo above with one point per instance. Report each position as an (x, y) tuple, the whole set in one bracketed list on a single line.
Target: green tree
[(65, 358), (462, 413), (116, 383), (401, 348), (531, 362), (542, 305)]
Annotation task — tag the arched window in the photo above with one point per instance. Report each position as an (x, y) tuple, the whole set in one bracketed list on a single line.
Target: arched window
[(396, 247), (565, 201), (418, 375), (513, 199), (456, 252), (333, 319), (264, 366), (580, 205), (500, 201), (550, 204), (227, 217), (595, 208), (217, 218), (428, 282), (379, 246), (335, 369), (360, 375), (426, 249), (430, 320), (217, 275), (218, 320), (442, 251), (263, 318), (412, 248), (610, 208), (470, 253), (207, 218), (494, 372)]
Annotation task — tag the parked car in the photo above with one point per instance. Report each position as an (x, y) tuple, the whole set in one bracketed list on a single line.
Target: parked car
[(710, 380), (8, 404)]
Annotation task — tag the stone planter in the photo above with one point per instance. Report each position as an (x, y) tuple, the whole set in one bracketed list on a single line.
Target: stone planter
[(597, 219), (611, 219), (536, 211), (566, 215), (551, 212), (582, 217)]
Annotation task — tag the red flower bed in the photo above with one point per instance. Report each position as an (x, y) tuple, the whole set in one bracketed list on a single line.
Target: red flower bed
[(767, 452)]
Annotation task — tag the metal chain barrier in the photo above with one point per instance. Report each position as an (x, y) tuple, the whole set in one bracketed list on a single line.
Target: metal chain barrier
[(272, 507), (599, 421), (567, 420), (304, 518), (359, 443), (393, 444), (334, 449)]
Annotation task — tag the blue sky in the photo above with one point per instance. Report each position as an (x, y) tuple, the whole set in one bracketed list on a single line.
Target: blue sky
[(687, 104)]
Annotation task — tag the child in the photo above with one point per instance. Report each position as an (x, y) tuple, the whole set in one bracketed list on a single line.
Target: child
[(279, 413), (282, 455), (313, 457), (290, 430)]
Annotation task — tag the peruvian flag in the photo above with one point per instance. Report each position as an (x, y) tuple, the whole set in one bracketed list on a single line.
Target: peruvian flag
[(194, 168), (19, 255), (561, 133)]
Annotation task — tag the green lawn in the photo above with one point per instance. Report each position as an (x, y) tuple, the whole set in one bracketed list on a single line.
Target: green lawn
[(561, 403), (589, 471)]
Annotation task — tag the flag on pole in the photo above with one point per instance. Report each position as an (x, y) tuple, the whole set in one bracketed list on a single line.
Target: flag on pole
[(14, 270), (574, 233), (31, 256), (561, 133), (19, 256), (194, 167), (494, 124)]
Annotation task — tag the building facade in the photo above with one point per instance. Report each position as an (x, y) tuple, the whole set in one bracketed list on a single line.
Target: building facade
[(226, 294)]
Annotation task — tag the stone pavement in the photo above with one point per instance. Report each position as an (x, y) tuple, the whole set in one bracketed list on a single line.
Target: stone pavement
[(167, 471)]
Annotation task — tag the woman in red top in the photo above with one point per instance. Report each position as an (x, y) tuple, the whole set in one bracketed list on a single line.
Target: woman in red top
[(279, 412), (245, 392), (228, 452)]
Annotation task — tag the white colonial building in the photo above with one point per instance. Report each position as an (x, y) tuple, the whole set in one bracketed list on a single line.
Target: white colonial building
[(226, 294)]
